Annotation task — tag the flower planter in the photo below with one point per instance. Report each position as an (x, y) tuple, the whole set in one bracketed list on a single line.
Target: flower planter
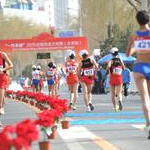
[(65, 124), (44, 145), (53, 134), (31, 103)]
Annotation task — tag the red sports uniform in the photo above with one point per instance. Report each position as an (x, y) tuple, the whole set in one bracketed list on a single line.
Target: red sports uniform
[(3, 77), (71, 70)]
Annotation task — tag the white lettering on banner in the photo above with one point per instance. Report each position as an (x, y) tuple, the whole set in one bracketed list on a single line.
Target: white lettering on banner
[(88, 72), (117, 71), (142, 44)]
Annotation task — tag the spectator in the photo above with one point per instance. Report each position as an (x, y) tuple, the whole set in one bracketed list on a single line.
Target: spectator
[(103, 78), (126, 80)]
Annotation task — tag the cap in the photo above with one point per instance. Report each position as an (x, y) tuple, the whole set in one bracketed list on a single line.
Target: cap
[(71, 53), (38, 67), (113, 50), (34, 67), (83, 52)]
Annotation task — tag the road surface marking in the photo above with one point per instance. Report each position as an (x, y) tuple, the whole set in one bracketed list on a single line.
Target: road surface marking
[(105, 145), (139, 126), (106, 121), (131, 113), (80, 132)]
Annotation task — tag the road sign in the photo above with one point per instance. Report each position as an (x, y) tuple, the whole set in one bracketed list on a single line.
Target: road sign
[(43, 55), (66, 34)]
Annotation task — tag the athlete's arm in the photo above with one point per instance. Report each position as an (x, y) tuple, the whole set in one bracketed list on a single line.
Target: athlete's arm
[(108, 65), (79, 70), (10, 65), (95, 64), (122, 63), (129, 50)]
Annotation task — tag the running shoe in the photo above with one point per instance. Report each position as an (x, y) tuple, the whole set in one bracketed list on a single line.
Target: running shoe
[(88, 109), (74, 107), (2, 112), (120, 105), (116, 108), (70, 105), (91, 106)]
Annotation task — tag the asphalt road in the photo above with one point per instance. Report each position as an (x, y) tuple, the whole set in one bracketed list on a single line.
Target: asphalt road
[(101, 129)]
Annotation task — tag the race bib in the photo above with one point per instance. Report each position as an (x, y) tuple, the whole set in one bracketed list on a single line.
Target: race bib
[(89, 72), (117, 71), (50, 73), (143, 44), (71, 68), (36, 76)]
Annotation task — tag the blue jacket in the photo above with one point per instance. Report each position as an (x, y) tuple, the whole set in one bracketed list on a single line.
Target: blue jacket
[(126, 75)]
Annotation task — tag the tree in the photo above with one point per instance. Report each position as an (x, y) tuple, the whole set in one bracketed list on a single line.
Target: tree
[(140, 4), (98, 15)]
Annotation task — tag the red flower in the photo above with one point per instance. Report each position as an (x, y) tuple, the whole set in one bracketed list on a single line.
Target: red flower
[(27, 130), (20, 136), (5, 141), (46, 118)]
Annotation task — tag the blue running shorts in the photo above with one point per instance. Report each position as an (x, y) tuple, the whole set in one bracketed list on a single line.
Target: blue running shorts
[(51, 82), (35, 82), (143, 68)]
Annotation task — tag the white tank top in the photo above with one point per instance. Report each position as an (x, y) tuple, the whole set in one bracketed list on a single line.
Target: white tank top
[(36, 74)]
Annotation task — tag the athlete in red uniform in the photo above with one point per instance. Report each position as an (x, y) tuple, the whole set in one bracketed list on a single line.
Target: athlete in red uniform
[(72, 78), (3, 78), (42, 78), (115, 67), (86, 75)]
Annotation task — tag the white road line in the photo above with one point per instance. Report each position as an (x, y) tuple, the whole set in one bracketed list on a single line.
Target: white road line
[(139, 126), (78, 132)]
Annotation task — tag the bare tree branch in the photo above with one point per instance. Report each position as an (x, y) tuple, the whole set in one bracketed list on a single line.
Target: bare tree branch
[(138, 1), (133, 5)]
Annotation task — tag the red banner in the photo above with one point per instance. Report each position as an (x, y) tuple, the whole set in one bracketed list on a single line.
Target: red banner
[(44, 41)]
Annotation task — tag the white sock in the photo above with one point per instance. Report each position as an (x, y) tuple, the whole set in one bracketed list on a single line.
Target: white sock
[(90, 97), (71, 97)]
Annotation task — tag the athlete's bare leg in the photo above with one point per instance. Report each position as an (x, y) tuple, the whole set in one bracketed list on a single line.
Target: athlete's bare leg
[(85, 93), (142, 85)]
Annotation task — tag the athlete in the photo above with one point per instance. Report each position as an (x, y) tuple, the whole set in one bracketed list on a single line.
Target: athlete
[(86, 73), (50, 78), (56, 78), (115, 67), (42, 78), (139, 44), (35, 79), (3, 78), (72, 78)]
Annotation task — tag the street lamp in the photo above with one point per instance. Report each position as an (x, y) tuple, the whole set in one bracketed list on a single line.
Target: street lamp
[(80, 16)]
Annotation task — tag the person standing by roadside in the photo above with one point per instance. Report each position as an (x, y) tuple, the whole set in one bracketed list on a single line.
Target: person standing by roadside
[(71, 67), (126, 74), (86, 73), (3, 78), (139, 44), (115, 67)]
